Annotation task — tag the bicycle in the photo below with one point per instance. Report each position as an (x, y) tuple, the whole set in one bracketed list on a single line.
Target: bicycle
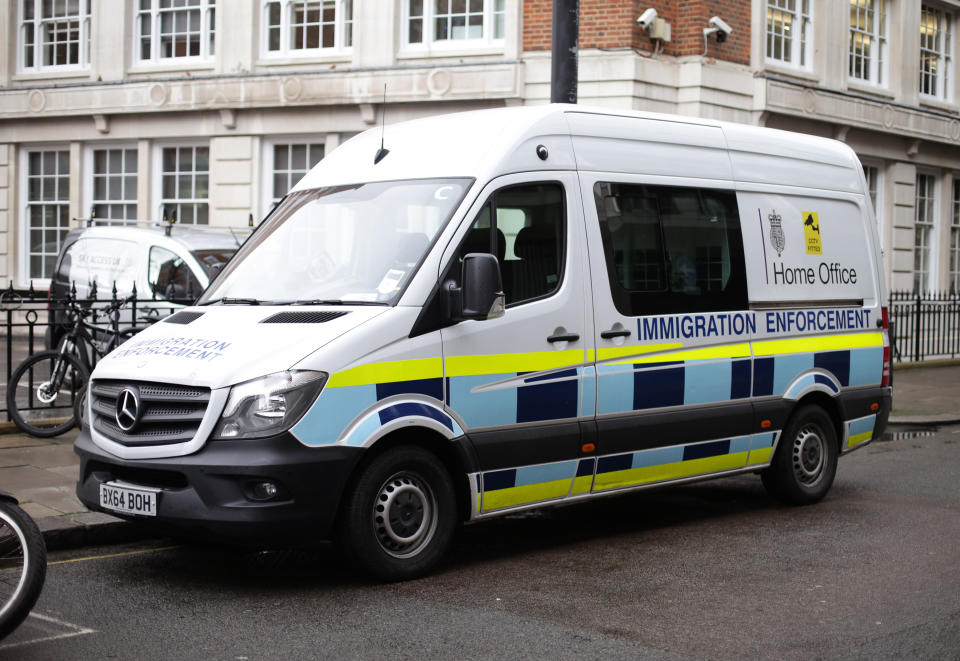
[(23, 564), (49, 385)]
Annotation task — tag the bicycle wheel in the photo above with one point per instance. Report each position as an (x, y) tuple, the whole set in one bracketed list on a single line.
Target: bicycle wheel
[(42, 391), (23, 566)]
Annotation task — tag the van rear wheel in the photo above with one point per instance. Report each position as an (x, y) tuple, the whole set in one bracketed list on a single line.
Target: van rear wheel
[(805, 463), (399, 518)]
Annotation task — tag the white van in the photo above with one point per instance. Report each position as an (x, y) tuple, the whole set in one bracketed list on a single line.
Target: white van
[(507, 309)]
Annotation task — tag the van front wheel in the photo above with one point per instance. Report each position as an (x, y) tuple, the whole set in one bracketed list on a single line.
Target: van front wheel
[(805, 463), (399, 518)]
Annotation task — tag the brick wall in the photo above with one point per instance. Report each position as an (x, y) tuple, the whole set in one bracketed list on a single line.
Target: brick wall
[(613, 24)]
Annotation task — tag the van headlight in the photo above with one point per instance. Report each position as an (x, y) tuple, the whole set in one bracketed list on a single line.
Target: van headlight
[(268, 405)]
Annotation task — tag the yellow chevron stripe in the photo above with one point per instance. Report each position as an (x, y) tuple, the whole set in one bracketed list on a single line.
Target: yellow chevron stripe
[(759, 457), (529, 493), (741, 350), (505, 363), (388, 372), (817, 343), (857, 439), (673, 471)]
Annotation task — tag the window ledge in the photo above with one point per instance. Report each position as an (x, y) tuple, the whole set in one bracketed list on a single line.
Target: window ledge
[(773, 66), (338, 57), (937, 104), (872, 90), (184, 65), (434, 51), (50, 74)]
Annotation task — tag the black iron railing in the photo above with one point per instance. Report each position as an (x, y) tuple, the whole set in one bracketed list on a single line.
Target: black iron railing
[(32, 322), (926, 326)]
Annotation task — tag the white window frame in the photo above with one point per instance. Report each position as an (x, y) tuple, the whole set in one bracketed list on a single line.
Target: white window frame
[(269, 147), (343, 25), (90, 175), (800, 55), (207, 9), (941, 50), (157, 180), (953, 272), (877, 199), (875, 63), (925, 274), (494, 17), (35, 27), (23, 267)]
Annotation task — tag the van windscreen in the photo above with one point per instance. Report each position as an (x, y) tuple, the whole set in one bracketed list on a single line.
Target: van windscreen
[(345, 244)]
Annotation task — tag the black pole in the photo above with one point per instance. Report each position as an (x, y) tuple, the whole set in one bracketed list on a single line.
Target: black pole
[(563, 63)]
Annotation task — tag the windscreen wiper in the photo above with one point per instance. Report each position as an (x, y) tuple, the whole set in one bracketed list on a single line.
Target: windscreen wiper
[(232, 301), (334, 301)]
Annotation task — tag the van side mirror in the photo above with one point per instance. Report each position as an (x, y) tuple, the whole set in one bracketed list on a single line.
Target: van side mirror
[(480, 295)]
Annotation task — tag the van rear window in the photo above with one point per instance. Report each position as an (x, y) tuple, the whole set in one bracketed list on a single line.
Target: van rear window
[(671, 249)]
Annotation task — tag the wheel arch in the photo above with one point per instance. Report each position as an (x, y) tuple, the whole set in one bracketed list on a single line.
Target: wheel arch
[(454, 454), (830, 405)]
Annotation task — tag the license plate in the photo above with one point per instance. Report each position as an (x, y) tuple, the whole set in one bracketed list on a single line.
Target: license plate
[(129, 500)]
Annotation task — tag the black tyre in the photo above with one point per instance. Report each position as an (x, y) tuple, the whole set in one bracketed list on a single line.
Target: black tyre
[(399, 518), (80, 407), (23, 566), (40, 397), (805, 463)]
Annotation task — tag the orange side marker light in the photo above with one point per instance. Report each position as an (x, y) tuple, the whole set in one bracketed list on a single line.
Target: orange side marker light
[(588, 447), (765, 424)]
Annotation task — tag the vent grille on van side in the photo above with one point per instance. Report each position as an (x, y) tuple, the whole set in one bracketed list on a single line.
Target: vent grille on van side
[(184, 317), (302, 317)]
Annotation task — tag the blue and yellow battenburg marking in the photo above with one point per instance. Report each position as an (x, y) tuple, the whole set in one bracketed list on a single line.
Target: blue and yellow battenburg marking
[(534, 484), (860, 430)]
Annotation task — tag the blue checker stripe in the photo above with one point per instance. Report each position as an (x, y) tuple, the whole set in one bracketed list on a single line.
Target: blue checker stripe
[(762, 376), (617, 462), (562, 470), (835, 362), (429, 387), (862, 425), (824, 381), (739, 444), (704, 450), (657, 457), (866, 366), (333, 411), (487, 408), (740, 379), (585, 467), (412, 408), (786, 369), (707, 382), (500, 479), (549, 401), (762, 440), (658, 387)]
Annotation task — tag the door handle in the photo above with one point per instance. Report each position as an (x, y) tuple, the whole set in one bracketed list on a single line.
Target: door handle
[(609, 334), (568, 337)]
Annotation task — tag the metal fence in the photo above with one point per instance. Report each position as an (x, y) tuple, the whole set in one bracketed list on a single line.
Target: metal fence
[(925, 326), (30, 323)]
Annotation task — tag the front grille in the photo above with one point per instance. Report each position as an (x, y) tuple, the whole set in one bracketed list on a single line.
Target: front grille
[(169, 413)]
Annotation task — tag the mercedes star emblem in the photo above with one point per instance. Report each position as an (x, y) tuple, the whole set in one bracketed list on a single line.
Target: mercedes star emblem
[(128, 409)]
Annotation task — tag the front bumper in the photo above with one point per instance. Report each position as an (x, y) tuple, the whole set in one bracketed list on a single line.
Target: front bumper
[(209, 494)]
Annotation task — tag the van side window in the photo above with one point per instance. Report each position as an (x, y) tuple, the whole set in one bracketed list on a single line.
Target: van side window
[(170, 277), (671, 249), (527, 236)]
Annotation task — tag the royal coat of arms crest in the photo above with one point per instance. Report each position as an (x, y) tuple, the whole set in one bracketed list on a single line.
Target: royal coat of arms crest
[(777, 238)]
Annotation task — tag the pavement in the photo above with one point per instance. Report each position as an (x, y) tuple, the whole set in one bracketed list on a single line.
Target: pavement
[(42, 472)]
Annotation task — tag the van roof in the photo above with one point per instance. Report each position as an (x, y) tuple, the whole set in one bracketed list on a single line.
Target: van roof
[(191, 239), (484, 144)]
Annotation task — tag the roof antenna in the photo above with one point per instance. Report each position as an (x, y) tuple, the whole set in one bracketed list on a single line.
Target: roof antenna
[(383, 151)]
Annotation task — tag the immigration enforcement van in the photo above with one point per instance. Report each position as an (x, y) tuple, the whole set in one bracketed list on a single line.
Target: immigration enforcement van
[(469, 315)]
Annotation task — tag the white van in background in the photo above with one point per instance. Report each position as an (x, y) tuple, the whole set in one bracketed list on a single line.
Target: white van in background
[(506, 309), (168, 266)]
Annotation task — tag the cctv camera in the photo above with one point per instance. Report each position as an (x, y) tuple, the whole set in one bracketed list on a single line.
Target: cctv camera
[(647, 18), (721, 25)]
